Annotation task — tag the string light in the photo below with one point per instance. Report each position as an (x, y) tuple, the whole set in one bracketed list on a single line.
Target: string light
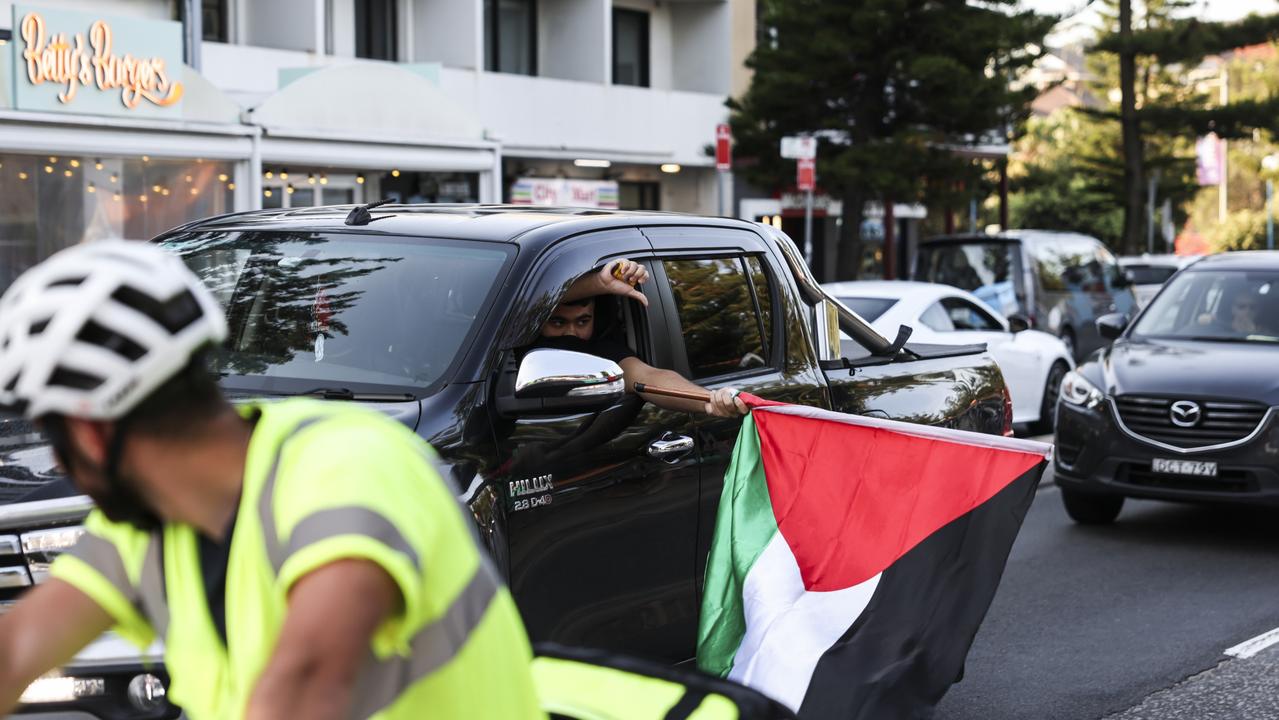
[(165, 192), (324, 179), (117, 197), (289, 189), (266, 193), (395, 173), (67, 173), (23, 176), (268, 174), (48, 169), (91, 188), (75, 163), (230, 186), (114, 177), (359, 179), (222, 177), (146, 158), (97, 164), (156, 188), (195, 191), (53, 159), (284, 173), (310, 179), (189, 178), (142, 198)]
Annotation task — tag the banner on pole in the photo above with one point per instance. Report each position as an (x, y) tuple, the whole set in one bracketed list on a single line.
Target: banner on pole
[(723, 147), (1208, 160), (806, 174)]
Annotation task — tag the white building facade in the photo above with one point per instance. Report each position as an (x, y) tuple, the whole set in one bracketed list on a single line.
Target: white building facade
[(224, 105)]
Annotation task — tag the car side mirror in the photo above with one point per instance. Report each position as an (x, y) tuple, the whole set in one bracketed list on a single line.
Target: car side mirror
[(1111, 326), (1018, 322), (549, 380)]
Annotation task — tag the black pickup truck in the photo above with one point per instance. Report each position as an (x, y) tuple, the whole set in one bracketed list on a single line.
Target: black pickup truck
[(599, 507)]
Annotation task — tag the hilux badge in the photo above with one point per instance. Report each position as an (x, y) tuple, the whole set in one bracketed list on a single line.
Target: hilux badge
[(531, 486)]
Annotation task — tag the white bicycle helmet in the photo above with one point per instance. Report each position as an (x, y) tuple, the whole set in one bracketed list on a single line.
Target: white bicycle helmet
[(94, 329)]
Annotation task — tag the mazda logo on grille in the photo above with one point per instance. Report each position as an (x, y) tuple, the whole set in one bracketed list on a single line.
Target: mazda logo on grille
[(1185, 413)]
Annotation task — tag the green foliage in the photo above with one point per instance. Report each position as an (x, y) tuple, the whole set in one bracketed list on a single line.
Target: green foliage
[(1242, 230), (885, 84), (1188, 40)]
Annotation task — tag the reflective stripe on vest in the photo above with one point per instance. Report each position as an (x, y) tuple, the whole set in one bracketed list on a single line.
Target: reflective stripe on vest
[(432, 646), (148, 596)]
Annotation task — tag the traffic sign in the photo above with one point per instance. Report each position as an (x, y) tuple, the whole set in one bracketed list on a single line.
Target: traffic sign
[(799, 147), (723, 147), (806, 174)]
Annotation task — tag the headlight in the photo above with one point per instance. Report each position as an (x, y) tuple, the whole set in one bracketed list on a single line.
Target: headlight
[(1076, 390)]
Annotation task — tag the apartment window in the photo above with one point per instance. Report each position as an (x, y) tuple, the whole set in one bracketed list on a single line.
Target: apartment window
[(510, 27), (375, 29), (213, 20), (630, 47)]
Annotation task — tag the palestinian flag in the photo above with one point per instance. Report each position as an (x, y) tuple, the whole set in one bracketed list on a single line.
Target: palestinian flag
[(854, 558)]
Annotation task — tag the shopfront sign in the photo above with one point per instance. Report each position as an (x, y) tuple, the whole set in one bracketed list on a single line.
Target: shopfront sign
[(75, 62), (600, 194)]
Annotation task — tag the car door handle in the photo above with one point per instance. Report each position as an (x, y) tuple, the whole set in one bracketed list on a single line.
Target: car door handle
[(670, 447)]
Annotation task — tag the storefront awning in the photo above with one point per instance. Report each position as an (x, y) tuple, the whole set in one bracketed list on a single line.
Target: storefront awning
[(369, 116)]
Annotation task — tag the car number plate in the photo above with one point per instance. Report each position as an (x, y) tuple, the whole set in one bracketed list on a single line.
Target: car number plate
[(1201, 468)]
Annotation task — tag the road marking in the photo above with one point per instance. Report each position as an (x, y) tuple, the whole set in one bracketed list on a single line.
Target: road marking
[(1248, 648)]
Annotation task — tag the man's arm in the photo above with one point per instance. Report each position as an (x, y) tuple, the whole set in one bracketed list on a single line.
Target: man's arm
[(618, 277), (44, 631), (332, 615), (723, 403)]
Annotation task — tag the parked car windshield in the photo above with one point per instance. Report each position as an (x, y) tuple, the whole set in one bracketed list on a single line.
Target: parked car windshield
[(1149, 274), (308, 311), (986, 269), (1223, 305), (870, 308)]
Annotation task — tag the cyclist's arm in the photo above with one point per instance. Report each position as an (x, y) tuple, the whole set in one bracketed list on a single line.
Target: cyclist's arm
[(332, 615), (43, 631)]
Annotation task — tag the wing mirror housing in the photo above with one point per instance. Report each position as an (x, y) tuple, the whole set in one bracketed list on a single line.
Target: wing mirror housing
[(562, 381), (1111, 326), (1018, 322)]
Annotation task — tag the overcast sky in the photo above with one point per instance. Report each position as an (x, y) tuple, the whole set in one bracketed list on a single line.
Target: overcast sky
[(1081, 18)]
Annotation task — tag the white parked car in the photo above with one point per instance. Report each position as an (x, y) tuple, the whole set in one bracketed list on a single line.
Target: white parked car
[(1033, 362)]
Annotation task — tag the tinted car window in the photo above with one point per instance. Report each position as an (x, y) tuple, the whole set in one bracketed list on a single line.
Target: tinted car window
[(870, 308), (764, 298), (937, 318), (985, 269), (307, 311), (1149, 274), (718, 315), (967, 316), (1071, 264), (1219, 305)]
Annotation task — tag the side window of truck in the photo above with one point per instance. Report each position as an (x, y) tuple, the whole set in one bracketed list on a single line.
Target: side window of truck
[(725, 314)]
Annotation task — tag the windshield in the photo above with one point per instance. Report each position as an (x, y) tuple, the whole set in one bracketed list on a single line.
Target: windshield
[(988, 270), (1149, 274), (1223, 305), (870, 308), (310, 311)]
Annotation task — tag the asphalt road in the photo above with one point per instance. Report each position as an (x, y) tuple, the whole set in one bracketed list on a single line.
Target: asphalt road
[(1129, 621)]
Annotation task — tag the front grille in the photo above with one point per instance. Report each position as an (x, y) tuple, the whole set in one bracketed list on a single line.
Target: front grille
[(25, 558), (1227, 480), (1221, 422)]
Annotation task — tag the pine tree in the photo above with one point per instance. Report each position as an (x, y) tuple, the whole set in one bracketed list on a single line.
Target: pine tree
[(888, 86), (1163, 40)]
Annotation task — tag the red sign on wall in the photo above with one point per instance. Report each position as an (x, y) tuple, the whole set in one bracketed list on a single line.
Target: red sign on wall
[(723, 147), (806, 174)]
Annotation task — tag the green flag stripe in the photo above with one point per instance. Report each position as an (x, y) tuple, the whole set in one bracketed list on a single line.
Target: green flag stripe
[(743, 528)]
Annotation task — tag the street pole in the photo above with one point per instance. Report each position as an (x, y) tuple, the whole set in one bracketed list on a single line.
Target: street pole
[(1223, 206), (808, 227), (1150, 212), (1270, 215)]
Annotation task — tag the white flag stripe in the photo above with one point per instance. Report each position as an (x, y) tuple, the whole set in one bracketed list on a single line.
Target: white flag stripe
[(930, 432), (789, 628)]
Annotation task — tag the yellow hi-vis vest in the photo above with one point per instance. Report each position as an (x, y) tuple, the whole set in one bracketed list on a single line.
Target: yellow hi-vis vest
[(323, 481)]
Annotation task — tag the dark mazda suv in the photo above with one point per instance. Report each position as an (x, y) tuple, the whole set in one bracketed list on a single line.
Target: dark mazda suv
[(1183, 405)]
